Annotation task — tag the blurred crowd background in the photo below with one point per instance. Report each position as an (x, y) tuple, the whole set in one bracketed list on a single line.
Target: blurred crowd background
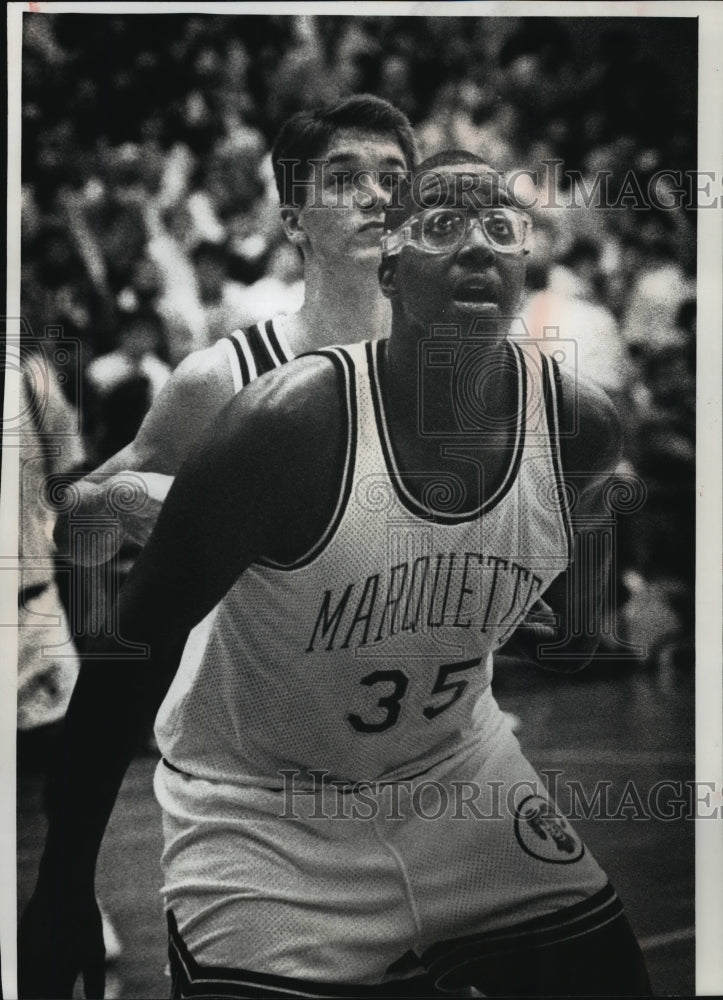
[(150, 218)]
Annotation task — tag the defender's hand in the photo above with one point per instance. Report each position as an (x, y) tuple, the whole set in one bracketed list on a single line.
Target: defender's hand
[(139, 524), (132, 499)]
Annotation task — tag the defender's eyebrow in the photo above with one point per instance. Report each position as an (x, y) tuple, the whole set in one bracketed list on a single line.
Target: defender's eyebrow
[(387, 162)]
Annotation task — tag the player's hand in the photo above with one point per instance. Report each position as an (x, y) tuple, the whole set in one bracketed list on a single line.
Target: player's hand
[(58, 940), (87, 500)]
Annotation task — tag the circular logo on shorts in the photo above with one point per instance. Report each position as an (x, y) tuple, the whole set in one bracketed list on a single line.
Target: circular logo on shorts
[(545, 834)]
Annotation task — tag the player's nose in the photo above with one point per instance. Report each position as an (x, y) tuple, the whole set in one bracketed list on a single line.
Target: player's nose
[(475, 244), (373, 194)]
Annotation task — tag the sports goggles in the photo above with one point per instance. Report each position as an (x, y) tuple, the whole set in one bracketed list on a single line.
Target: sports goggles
[(442, 230)]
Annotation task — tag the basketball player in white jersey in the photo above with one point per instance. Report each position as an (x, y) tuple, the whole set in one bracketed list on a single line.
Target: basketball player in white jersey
[(346, 812), (335, 169)]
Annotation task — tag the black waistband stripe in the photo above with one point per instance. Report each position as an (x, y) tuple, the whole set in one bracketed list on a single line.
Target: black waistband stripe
[(573, 921), (190, 979)]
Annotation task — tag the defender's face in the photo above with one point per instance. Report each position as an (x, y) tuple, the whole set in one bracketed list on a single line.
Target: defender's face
[(473, 281), (343, 215)]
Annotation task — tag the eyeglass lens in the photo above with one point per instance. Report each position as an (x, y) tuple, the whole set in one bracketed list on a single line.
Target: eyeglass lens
[(444, 228)]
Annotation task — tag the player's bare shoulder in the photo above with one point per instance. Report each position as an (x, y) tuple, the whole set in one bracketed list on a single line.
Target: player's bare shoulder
[(195, 393), (592, 435), (284, 442), (293, 413), (205, 375)]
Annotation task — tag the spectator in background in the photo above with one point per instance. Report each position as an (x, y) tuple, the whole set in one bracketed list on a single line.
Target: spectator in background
[(570, 307), (57, 289), (657, 293), (228, 195), (208, 246), (219, 299), (457, 119), (280, 289), (661, 610), (144, 288), (125, 382)]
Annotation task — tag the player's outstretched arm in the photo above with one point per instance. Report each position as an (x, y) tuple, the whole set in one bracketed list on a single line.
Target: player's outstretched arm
[(194, 394), (553, 636), (235, 499)]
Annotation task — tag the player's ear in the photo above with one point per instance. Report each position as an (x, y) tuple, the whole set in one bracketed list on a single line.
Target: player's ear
[(292, 226), (388, 276)]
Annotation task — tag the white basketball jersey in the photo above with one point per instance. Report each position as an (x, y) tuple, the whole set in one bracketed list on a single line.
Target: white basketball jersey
[(371, 657)]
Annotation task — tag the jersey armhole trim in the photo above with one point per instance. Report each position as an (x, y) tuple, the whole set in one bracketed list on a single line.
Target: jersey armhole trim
[(277, 342), (551, 387), (233, 364), (244, 370), (345, 370)]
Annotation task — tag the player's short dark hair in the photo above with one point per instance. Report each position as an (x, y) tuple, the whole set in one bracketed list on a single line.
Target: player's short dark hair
[(449, 158), (405, 204), (308, 133)]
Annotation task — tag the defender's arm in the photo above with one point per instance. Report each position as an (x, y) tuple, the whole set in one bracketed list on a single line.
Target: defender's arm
[(195, 393)]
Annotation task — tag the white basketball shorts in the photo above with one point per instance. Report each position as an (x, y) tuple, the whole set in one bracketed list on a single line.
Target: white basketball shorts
[(356, 884)]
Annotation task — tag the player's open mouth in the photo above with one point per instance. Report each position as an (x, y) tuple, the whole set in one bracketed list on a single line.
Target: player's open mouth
[(480, 294)]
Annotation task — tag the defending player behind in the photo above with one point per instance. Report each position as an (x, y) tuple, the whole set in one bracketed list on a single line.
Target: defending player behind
[(336, 168)]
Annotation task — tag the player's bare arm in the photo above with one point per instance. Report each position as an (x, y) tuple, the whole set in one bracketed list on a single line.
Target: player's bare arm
[(195, 393), (588, 459), (239, 496)]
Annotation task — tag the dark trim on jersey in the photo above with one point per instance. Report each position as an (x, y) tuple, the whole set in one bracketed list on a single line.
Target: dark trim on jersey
[(264, 359), (552, 394), (347, 385), (242, 363), (189, 979), (264, 347), (276, 344), (448, 957), (406, 498)]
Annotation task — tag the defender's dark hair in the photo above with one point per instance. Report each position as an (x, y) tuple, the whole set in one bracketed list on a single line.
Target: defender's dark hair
[(307, 134)]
